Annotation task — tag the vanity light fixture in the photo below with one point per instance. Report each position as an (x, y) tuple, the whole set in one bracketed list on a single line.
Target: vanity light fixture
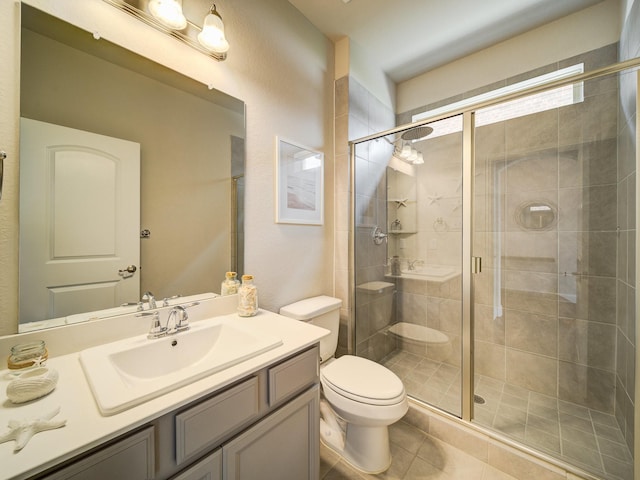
[(169, 13), (212, 35), (168, 17)]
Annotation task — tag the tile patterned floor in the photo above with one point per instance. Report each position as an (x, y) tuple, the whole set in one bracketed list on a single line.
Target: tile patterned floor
[(416, 456), (586, 438)]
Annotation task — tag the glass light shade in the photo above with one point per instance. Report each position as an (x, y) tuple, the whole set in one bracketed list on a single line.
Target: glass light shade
[(414, 155), (169, 13), (419, 160), (212, 35), (405, 152)]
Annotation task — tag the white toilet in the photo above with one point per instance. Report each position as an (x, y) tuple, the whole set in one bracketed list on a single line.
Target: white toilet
[(360, 398)]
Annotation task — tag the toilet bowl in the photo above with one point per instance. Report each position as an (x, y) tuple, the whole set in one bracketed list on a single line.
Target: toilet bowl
[(422, 340), (360, 398)]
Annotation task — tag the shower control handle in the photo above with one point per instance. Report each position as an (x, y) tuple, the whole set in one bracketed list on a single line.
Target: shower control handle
[(379, 236)]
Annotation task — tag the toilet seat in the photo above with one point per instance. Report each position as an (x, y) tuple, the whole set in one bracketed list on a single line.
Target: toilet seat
[(363, 381)]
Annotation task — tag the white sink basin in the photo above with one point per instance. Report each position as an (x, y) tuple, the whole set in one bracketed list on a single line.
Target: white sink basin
[(128, 372)]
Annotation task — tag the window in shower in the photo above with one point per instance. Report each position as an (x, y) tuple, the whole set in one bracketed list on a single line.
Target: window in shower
[(536, 103)]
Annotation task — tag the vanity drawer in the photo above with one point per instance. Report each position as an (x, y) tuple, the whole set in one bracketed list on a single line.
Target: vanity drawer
[(129, 458), (293, 375), (208, 423)]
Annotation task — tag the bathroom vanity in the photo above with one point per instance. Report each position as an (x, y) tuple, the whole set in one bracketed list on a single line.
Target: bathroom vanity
[(255, 419)]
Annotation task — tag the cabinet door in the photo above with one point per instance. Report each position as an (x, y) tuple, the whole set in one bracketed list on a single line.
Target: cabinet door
[(129, 459), (285, 445), (209, 468)]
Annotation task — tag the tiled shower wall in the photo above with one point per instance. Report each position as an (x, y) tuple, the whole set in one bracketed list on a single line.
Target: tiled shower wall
[(626, 241), (358, 114)]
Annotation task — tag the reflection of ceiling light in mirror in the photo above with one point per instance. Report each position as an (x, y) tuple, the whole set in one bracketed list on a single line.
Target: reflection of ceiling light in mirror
[(311, 163), (408, 154), (169, 13), (212, 36)]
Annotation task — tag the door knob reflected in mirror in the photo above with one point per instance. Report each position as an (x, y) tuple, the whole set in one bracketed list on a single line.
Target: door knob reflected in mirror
[(128, 272)]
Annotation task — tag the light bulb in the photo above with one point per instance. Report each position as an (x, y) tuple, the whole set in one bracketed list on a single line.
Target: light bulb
[(169, 13), (212, 35), (419, 160)]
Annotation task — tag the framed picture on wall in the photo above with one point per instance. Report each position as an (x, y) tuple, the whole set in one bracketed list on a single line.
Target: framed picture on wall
[(299, 184)]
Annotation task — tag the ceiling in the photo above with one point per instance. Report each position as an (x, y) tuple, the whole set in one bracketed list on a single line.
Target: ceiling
[(410, 37)]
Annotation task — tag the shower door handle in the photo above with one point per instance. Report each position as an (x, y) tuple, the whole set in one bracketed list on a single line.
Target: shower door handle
[(476, 264), (379, 236), (3, 156)]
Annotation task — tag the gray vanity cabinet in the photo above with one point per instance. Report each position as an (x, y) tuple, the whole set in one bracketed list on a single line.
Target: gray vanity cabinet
[(263, 427), (282, 446)]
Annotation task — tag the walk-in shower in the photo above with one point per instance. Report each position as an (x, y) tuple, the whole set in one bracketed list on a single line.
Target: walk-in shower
[(501, 284)]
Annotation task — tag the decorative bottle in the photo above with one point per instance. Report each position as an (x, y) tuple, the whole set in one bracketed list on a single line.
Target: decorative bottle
[(230, 284), (395, 265), (247, 297)]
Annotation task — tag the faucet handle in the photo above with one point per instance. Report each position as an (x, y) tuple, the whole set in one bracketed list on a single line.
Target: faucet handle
[(131, 304), (156, 330), (150, 299), (165, 300)]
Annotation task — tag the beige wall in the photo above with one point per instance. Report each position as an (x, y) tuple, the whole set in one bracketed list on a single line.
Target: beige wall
[(580, 32), (279, 64)]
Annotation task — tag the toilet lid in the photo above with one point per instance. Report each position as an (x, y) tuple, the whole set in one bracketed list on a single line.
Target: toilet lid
[(363, 380)]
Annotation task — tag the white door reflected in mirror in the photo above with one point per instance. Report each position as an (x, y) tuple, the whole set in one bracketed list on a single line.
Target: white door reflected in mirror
[(79, 221)]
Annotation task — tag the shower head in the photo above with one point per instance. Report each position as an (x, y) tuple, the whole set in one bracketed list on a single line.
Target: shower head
[(416, 133)]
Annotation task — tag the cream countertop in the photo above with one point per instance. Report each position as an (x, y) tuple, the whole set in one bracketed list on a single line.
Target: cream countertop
[(87, 428)]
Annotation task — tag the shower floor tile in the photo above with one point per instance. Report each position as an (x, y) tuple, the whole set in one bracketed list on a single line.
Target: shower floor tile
[(586, 438)]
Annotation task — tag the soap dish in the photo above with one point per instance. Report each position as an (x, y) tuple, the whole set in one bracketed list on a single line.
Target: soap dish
[(33, 384)]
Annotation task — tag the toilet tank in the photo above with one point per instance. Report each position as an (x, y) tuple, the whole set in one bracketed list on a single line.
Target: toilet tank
[(377, 297), (322, 311)]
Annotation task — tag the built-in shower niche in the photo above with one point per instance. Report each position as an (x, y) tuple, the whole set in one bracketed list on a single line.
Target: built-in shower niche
[(402, 213), (401, 205)]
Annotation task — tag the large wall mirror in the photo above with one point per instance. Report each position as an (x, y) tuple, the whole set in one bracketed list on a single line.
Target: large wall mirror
[(190, 141)]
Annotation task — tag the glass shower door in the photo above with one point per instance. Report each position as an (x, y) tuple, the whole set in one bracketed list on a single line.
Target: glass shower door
[(408, 285), (550, 208)]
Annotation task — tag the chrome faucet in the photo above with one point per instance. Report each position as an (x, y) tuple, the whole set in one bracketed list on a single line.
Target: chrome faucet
[(177, 321), (180, 319), (411, 264), (150, 299)]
